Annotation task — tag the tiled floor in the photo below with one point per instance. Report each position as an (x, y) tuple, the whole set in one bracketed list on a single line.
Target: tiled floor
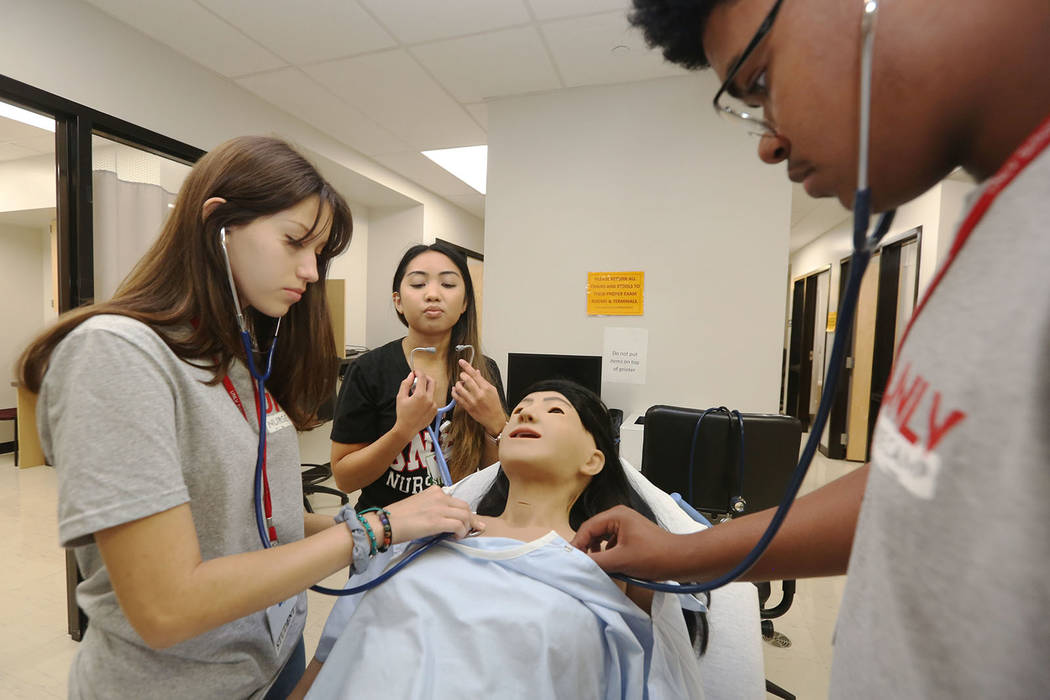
[(35, 650)]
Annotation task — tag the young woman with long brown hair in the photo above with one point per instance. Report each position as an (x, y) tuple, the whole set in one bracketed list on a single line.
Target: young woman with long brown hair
[(380, 441), (140, 410)]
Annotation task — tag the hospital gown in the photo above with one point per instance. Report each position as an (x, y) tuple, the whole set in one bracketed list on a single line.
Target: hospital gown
[(495, 617)]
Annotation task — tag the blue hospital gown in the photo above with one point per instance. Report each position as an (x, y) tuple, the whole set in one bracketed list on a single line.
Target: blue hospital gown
[(492, 617)]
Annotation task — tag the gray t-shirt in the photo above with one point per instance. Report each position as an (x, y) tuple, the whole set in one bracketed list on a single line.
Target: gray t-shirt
[(133, 431), (949, 579)]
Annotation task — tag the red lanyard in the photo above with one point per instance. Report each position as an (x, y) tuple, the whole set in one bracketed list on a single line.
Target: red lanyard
[(1028, 151), (259, 411)]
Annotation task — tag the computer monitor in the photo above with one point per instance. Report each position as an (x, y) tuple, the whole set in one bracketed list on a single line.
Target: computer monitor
[(525, 369)]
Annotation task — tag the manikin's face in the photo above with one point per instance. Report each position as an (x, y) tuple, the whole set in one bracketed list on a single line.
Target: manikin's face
[(271, 263), (804, 76), (432, 295), (545, 436)]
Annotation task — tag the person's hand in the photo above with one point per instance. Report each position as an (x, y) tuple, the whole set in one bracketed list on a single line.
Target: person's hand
[(479, 398), (430, 512), (415, 411), (621, 540)]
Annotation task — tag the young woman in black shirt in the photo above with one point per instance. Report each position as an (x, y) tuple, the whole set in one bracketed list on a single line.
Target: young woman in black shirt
[(380, 442)]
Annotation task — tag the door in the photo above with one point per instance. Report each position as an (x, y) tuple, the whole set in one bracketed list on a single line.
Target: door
[(860, 358), (805, 370), (887, 299)]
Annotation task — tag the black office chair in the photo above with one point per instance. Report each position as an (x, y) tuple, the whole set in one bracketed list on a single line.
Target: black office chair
[(315, 474), (706, 465)]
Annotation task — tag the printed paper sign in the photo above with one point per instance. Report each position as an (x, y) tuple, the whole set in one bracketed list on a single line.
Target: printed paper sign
[(615, 293), (624, 355)]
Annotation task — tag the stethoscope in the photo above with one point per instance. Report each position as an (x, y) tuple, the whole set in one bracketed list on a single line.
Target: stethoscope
[(264, 521), (864, 246), (263, 509), (443, 477)]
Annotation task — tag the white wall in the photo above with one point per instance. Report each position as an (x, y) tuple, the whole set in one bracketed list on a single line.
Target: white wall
[(352, 266), (640, 176), (22, 286), (27, 183), (391, 233), (938, 211), (454, 225)]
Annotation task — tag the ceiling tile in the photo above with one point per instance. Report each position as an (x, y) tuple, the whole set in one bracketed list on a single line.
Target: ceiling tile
[(413, 21), (392, 89), (584, 47), (195, 32), (495, 64), (419, 168), (551, 9), (305, 32), (296, 93)]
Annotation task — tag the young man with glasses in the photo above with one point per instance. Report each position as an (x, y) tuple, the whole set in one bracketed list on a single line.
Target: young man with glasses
[(946, 533)]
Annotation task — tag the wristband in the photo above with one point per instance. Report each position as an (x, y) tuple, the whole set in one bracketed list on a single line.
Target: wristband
[(363, 550)]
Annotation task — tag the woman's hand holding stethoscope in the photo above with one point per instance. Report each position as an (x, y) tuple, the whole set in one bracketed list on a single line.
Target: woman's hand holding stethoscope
[(416, 408), (479, 398), (431, 512)]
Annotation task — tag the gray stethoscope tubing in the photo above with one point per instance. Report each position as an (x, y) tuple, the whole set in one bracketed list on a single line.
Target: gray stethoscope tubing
[(864, 246)]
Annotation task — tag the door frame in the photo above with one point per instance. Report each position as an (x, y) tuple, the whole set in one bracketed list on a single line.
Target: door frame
[(798, 374)]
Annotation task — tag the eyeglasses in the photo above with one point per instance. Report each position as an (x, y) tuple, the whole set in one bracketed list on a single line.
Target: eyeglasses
[(727, 104)]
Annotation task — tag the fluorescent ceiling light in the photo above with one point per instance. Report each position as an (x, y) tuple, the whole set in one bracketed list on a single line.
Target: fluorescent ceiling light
[(469, 164), (27, 117)]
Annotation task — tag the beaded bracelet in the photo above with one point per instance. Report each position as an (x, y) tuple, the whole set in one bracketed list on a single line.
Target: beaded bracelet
[(368, 531), (384, 518), (388, 533)]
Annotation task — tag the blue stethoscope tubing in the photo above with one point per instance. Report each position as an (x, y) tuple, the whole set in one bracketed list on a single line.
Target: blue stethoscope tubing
[(435, 432), (260, 383), (847, 308), (260, 386), (260, 380), (864, 247)]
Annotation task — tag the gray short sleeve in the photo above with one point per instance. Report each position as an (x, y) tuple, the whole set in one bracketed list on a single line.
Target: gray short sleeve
[(110, 431)]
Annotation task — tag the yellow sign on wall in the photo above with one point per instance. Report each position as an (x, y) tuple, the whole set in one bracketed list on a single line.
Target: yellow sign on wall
[(615, 293)]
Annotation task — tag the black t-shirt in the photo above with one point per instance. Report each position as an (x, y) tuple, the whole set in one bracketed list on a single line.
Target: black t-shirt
[(367, 409)]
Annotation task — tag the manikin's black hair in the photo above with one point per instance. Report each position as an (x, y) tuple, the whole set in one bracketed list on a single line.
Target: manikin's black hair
[(607, 488)]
